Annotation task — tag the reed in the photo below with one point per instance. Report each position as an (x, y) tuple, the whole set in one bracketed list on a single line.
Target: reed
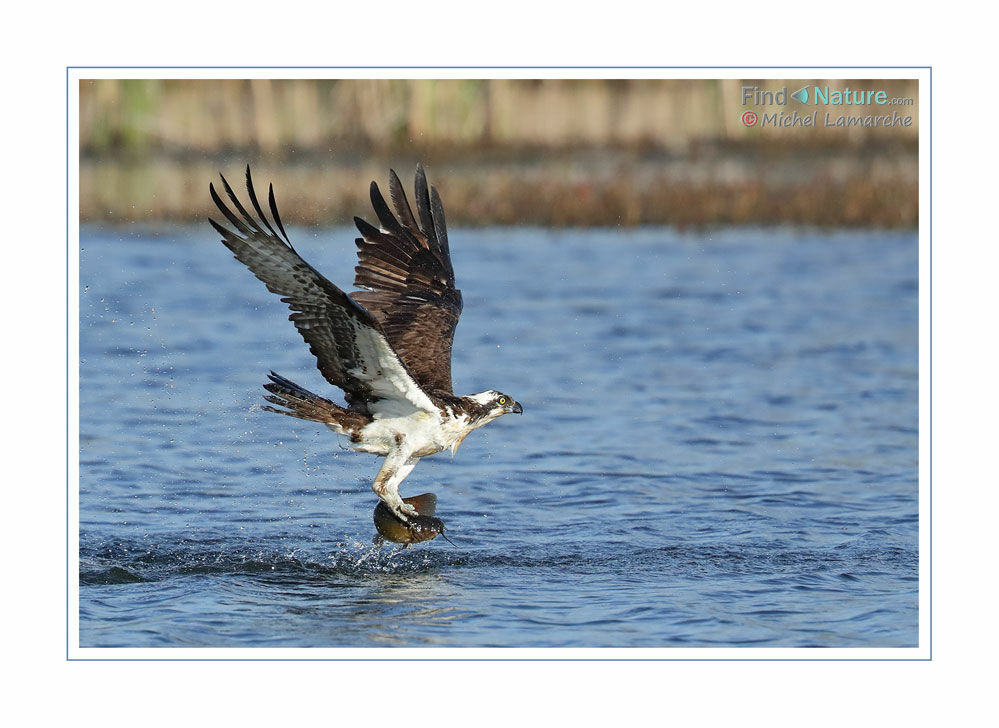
[(562, 152)]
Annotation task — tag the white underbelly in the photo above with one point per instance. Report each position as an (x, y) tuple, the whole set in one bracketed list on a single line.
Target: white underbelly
[(420, 433)]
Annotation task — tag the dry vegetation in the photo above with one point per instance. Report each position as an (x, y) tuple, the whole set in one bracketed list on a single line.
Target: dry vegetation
[(502, 151)]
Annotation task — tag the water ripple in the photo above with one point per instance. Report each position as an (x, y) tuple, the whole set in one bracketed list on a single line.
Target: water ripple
[(719, 448)]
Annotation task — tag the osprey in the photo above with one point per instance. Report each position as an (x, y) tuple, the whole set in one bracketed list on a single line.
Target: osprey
[(387, 346)]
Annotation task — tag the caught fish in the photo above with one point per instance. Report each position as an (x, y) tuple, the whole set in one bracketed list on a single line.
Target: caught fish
[(421, 527)]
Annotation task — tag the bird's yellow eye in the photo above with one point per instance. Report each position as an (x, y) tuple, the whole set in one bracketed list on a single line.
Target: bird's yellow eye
[(502, 400)]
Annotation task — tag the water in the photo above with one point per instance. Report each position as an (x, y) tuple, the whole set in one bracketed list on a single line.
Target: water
[(719, 448)]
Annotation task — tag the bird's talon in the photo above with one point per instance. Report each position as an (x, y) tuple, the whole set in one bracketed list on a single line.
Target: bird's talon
[(404, 511)]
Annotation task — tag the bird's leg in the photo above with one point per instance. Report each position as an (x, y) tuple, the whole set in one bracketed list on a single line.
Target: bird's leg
[(397, 466)]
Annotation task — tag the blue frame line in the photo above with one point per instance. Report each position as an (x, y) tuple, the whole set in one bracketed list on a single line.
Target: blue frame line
[(930, 68), (929, 376), (67, 365)]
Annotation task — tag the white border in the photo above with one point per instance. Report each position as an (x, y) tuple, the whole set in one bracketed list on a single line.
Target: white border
[(74, 75)]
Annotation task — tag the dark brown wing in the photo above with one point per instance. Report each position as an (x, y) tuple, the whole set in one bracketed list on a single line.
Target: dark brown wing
[(405, 269), (350, 347)]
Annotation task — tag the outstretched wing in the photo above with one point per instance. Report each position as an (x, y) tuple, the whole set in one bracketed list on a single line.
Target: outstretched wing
[(405, 269), (351, 349)]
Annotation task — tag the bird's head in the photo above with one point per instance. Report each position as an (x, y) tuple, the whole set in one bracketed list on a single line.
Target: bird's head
[(495, 404), (486, 407)]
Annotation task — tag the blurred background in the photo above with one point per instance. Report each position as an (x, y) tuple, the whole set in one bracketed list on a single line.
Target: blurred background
[(540, 152)]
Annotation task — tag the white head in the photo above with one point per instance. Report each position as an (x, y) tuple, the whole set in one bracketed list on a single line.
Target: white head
[(492, 404), (483, 408)]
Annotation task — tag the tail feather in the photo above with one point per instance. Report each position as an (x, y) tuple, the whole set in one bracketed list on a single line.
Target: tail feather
[(299, 402)]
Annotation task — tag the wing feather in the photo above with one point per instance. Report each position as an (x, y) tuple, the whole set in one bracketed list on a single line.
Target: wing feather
[(256, 204), (274, 211), (405, 271), (402, 208), (352, 351)]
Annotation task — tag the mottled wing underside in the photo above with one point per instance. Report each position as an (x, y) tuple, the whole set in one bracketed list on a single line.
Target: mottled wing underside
[(350, 347), (405, 270)]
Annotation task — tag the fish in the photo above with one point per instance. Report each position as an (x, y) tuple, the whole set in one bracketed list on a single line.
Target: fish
[(421, 527)]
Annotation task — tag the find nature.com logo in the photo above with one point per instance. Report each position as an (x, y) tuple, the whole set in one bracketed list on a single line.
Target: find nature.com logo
[(823, 96)]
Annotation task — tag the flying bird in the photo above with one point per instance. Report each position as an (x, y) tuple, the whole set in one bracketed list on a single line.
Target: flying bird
[(387, 346)]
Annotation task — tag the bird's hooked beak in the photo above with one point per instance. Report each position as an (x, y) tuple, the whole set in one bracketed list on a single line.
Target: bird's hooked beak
[(517, 409)]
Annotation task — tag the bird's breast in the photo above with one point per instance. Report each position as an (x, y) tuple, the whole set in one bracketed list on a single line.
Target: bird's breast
[(422, 433)]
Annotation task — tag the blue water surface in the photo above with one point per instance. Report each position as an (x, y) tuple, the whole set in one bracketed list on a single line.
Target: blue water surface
[(719, 448)]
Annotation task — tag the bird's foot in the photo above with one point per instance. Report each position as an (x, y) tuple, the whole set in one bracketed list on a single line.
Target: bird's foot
[(404, 511)]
